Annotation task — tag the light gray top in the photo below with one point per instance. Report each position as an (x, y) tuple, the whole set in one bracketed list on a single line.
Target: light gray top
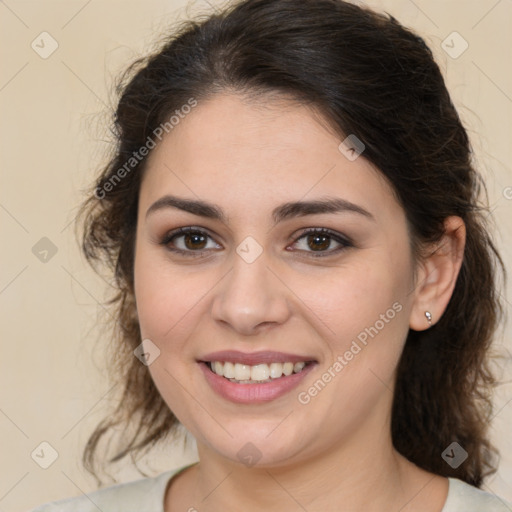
[(147, 495)]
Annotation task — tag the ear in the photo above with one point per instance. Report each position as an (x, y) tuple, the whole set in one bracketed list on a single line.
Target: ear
[(437, 275)]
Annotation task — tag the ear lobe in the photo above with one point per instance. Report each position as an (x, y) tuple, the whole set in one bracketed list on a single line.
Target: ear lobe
[(438, 274)]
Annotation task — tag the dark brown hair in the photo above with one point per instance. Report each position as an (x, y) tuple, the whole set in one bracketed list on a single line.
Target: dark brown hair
[(371, 77)]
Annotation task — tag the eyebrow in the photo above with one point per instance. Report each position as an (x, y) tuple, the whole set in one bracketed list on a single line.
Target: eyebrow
[(283, 212)]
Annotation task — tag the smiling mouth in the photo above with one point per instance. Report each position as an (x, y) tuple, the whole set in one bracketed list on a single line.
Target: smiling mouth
[(257, 374)]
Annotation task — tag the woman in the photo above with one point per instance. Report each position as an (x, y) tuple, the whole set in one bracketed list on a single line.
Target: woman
[(306, 281)]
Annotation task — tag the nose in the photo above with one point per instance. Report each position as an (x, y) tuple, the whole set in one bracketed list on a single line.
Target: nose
[(251, 298)]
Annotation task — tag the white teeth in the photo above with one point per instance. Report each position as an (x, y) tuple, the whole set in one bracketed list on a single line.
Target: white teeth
[(218, 368), (229, 370), (260, 372), (297, 367), (245, 374), (276, 370), (242, 371), (288, 368)]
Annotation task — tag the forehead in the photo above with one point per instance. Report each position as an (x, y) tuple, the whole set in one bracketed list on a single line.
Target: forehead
[(244, 154)]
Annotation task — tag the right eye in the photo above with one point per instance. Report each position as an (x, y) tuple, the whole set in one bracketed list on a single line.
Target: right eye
[(188, 241)]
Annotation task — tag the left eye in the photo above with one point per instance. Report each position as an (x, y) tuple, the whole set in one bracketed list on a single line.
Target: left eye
[(319, 240), (192, 241)]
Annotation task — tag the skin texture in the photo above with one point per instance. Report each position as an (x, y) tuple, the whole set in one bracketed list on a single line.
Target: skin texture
[(249, 157)]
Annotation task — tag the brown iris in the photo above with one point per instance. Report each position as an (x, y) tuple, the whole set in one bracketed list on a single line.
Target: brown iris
[(192, 239), (323, 240)]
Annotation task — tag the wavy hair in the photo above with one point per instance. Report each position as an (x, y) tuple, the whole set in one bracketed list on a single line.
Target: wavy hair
[(369, 76)]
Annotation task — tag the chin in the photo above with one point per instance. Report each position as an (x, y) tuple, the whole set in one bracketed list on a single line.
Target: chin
[(255, 448)]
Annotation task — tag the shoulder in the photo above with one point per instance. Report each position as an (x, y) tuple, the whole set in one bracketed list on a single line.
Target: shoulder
[(463, 497), (143, 495)]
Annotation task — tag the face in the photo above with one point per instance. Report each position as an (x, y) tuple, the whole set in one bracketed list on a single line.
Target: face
[(298, 255)]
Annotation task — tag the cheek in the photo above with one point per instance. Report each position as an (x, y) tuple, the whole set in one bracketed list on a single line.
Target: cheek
[(157, 294), (366, 303), (169, 298)]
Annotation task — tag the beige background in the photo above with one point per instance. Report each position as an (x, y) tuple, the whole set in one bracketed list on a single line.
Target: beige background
[(53, 134)]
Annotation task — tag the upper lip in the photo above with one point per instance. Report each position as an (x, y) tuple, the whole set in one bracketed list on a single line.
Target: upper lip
[(254, 358)]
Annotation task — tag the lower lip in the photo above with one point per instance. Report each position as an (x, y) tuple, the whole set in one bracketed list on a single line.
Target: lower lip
[(253, 393)]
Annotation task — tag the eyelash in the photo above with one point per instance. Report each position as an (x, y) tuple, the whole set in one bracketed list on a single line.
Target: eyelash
[(344, 241)]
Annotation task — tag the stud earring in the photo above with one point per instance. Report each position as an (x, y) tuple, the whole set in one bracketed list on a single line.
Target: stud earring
[(429, 317)]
